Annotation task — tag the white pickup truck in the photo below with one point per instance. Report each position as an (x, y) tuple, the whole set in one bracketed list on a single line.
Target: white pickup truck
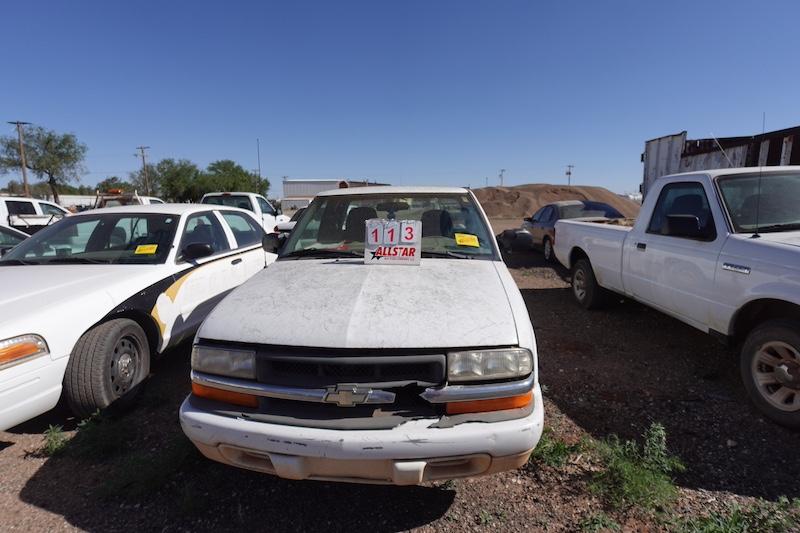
[(376, 371), (267, 215), (719, 250), (29, 214)]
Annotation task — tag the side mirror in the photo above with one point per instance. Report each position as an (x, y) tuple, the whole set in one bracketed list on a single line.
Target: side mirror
[(686, 226), (3, 251), (271, 243), (197, 250), (528, 219)]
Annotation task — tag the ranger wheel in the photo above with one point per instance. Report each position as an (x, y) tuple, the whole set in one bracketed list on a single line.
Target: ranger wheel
[(770, 366), (547, 249), (108, 365), (585, 289)]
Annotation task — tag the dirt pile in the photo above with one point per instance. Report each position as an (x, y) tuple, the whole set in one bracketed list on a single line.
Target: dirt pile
[(523, 200)]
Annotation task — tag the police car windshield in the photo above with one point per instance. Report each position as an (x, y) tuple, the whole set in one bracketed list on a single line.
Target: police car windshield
[(452, 225), (99, 239)]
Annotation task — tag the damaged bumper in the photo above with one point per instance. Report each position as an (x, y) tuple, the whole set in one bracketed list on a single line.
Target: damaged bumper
[(408, 454)]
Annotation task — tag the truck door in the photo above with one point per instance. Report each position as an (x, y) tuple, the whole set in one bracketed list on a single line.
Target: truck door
[(671, 272), (268, 214)]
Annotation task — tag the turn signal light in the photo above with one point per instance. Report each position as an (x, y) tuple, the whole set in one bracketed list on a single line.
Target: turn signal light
[(483, 406), (224, 396), (22, 348)]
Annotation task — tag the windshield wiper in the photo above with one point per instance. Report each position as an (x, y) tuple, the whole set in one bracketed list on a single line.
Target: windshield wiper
[(78, 260), (447, 254), (17, 262), (780, 227), (321, 252)]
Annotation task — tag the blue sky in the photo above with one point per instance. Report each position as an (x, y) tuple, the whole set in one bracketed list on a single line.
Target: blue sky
[(409, 92)]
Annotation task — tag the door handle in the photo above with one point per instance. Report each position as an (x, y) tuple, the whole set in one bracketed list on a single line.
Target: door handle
[(641, 246), (236, 261)]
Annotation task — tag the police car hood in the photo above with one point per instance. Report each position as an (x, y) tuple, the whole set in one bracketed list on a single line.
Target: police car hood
[(36, 297), (442, 303)]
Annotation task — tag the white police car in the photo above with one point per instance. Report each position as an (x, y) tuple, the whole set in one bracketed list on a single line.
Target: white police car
[(86, 302)]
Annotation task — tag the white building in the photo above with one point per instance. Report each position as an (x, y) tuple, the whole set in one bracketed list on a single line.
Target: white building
[(299, 193)]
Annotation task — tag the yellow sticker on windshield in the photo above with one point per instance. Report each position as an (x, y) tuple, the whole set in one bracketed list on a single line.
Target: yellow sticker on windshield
[(465, 239), (146, 249)]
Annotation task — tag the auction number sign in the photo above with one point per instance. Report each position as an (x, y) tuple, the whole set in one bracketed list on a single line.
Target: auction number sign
[(392, 242)]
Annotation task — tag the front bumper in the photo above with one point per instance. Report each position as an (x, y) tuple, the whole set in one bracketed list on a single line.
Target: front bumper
[(30, 389), (407, 454)]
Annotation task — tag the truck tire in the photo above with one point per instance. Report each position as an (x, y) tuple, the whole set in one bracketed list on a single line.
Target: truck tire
[(585, 289), (770, 367), (107, 366), (547, 250)]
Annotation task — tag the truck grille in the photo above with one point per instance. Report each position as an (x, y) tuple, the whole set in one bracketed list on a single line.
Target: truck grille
[(325, 370)]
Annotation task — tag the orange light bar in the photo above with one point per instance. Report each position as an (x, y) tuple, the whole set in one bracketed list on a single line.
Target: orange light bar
[(236, 398), (482, 406), (18, 351)]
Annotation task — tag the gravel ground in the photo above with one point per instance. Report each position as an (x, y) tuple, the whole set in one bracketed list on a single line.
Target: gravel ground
[(608, 372)]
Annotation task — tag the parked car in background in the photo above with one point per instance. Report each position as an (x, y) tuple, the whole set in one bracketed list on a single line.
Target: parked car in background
[(375, 372), (267, 215), (86, 302), (719, 250), (541, 225), (29, 215), (9, 237), (117, 197), (283, 229)]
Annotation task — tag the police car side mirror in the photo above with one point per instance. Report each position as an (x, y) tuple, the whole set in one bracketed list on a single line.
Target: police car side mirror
[(271, 243), (197, 250)]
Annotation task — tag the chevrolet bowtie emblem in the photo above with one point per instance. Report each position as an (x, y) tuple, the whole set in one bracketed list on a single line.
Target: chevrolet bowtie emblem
[(351, 394)]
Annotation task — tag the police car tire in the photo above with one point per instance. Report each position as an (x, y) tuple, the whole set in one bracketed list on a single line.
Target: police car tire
[(87, 382)]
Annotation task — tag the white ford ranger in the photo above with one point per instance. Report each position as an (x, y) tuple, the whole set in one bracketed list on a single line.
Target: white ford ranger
[(719, 250), (398, 364), (267, 215)]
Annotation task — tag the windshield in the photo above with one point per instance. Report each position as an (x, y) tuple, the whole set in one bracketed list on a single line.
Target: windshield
[(589, 209), (335, 225), (231, 200), (109, 238), (776, 208)]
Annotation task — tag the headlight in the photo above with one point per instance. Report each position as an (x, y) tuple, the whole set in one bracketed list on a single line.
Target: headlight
[(18, 349), (482, 365), (231, 362)]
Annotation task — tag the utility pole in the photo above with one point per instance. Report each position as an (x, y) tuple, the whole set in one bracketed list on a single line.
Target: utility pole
[(487, 181), (569, 175), (144, 168), (502, 171), (23, 162), (258, 149)]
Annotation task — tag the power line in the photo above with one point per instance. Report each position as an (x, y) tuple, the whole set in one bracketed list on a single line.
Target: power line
[(144, 168), (23, 162)]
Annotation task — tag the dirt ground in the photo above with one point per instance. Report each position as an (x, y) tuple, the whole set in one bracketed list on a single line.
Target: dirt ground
[(607, 372)]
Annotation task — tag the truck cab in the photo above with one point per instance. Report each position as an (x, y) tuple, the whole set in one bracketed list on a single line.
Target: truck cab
[(266, 214), (29, 215), (403, 352)]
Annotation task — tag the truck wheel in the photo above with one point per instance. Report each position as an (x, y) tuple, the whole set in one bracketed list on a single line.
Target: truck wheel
[(587, 292), (108, 365), (547, 250), (770, 366)]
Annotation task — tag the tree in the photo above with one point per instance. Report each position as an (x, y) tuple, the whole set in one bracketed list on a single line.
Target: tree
[(227, 175), (137, 181), (114, 182), (179, 180), (55, 157)]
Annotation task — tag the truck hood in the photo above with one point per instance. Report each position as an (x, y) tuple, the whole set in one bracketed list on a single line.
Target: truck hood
[(442, 303), (791, 238)]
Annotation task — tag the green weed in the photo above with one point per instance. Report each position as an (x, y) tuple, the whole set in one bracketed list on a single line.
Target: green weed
[(54, 441), (553, 452), (634, 476), (762, 516), (599, 522)]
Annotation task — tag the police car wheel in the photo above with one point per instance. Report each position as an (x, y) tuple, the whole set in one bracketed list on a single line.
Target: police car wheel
[(107, 366)]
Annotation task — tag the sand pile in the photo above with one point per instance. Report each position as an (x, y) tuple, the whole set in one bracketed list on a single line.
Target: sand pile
[(523, 200)]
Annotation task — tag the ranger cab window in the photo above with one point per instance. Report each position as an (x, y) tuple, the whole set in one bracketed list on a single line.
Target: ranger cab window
[(681, 204), (205, 228)]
